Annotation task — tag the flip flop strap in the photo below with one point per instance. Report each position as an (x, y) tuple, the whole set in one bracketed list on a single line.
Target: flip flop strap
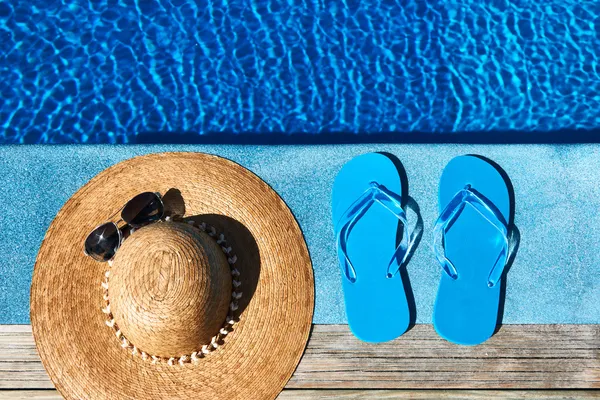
[(488, 211), (390, 201)]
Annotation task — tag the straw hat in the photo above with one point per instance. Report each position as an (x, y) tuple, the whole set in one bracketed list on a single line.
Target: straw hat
[(217, 306)]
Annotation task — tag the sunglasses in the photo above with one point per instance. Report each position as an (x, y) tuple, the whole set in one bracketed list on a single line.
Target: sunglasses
[(103, 242)]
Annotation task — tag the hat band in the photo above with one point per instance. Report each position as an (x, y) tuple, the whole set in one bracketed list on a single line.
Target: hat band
[(216, 340)]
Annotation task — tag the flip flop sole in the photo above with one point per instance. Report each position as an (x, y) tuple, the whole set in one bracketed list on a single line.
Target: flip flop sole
[(466, 309), (376, 306)]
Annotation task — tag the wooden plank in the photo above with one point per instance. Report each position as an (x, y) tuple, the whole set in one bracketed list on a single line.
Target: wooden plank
[(30, 394), (518, 357), (20, 365), (290, 394), (436, 394)]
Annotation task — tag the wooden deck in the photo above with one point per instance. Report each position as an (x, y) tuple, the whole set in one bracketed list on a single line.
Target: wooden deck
[(521, 361)]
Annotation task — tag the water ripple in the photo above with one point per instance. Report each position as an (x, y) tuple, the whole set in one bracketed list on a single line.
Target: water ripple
[(106, 71)]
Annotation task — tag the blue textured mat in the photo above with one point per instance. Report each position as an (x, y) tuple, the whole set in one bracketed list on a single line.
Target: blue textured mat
[(553, 280)]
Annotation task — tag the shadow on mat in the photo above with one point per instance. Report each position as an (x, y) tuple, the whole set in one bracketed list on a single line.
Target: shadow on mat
[(514, 239), (416, 233)]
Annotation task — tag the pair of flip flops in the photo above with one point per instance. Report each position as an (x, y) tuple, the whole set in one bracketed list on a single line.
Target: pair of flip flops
[(471, 243)]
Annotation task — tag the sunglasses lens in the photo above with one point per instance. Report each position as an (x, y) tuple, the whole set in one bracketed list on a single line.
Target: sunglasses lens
[(142, 209), (103, 242)]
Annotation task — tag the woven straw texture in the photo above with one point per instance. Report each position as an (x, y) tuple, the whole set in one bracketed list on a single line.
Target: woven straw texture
[(83, 356), (179, 308)]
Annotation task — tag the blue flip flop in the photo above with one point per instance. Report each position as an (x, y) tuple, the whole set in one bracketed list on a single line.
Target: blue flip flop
[(368, 219), (472, 244)]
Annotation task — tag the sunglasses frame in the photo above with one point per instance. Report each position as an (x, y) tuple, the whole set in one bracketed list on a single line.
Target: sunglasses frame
[(120, 230), (120, 233), (136, 226)]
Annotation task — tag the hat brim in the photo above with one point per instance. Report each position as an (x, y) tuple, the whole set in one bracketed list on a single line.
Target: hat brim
[(82, 355)]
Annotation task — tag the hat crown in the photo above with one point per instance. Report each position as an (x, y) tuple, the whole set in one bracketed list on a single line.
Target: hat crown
[(170, 287)]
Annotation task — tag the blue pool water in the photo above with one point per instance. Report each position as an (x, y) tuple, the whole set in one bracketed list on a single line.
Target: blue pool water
[(108, 71)]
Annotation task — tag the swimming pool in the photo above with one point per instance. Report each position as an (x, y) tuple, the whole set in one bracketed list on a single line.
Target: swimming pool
[(107, 71)]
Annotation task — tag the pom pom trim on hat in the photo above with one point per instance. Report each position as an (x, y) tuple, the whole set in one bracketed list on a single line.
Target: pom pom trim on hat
[(215, 341)]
